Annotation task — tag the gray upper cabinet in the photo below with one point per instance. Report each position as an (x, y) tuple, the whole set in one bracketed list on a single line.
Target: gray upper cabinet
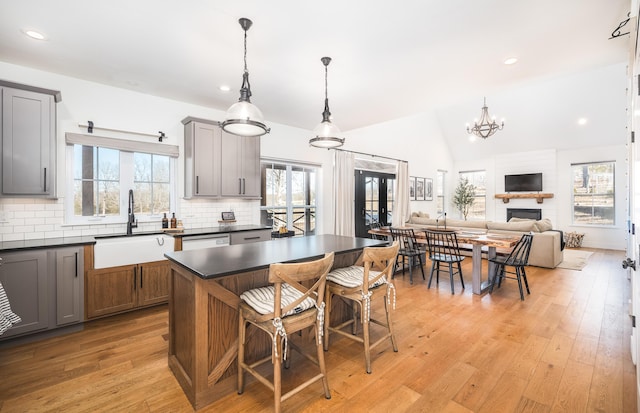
[(240, 166), (28, 141), (202, 159), (218, 164)]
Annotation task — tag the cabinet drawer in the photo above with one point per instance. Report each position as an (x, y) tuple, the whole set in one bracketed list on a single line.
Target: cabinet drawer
[(246, 237)]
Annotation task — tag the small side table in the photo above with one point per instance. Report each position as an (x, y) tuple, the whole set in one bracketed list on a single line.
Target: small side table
[(277, 234)]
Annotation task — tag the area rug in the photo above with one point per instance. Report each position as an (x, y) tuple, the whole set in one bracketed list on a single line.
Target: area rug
[(574, 259)]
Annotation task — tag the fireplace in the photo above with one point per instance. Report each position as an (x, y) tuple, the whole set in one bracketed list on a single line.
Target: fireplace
[(524, 213)]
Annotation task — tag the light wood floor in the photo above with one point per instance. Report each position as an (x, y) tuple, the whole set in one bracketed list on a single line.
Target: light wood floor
[(564, 349)]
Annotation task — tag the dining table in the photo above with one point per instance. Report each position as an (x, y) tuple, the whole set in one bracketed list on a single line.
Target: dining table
[(478, 241)]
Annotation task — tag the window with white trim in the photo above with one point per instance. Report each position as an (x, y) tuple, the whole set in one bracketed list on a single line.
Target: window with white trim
[(99, 179), (289, 196), (477, 179), (440, 191), (593, 193)]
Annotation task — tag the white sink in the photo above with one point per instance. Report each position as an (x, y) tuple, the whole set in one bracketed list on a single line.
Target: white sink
[(114, 251)]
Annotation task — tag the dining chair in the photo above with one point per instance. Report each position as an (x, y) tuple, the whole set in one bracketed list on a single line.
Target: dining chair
[(444, 249), (518, 259), (376, 225), (360, 285), (284, 307), (409, 250)]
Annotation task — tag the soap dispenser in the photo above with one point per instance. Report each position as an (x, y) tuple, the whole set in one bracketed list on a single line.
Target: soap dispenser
[(174, 221), (165, 221)]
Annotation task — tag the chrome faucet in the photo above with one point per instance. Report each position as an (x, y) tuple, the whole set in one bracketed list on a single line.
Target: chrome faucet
[(132, 222)]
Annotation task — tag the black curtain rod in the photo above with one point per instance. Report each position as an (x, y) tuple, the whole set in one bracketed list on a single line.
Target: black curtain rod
[(369, 154)]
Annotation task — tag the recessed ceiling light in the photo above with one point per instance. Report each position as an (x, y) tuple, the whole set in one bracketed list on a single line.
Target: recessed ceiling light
[(34, 34), (510, 60), (582, 121), (224, 88)]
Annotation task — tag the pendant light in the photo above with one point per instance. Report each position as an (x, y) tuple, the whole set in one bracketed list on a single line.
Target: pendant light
[(326, 133), (243, 118)]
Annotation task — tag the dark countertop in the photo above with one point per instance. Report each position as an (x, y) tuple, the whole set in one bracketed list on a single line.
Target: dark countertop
[(218, 230), (7, 246), (217, 262)]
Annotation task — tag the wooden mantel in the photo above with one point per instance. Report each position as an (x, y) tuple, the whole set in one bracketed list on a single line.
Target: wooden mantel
[(538, 196)]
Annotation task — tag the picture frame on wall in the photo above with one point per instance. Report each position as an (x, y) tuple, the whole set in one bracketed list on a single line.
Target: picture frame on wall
[(419, 189), (428, 189), (412, 188)]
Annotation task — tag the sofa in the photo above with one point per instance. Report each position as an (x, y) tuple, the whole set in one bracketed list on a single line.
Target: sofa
[(546, 248)]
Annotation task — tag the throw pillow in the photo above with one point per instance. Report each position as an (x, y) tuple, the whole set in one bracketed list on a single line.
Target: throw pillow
[(544, 225)]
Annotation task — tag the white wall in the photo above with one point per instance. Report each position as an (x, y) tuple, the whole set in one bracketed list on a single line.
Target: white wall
[(126, 110), (556, 172), (419, 139), (416, 139)]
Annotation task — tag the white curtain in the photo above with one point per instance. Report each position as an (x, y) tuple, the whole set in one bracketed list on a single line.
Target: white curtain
[(402, 209), (343, 194)]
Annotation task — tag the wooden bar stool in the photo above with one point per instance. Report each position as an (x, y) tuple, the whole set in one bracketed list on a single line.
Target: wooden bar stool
[(280, 310), (368, 279)]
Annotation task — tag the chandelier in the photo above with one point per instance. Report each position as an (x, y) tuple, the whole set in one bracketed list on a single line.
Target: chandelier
[(326, 133), (487, 125), (243, 118)]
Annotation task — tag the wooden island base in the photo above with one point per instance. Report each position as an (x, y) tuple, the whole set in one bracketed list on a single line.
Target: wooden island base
[(203, 328)]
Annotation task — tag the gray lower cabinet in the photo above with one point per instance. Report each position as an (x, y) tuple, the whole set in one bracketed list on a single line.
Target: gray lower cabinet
[(245, 237), (28, 143), (25, 278), (69, 285), (45, 288)]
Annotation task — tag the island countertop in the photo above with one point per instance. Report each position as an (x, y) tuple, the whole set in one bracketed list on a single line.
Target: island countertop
[(218, 262)]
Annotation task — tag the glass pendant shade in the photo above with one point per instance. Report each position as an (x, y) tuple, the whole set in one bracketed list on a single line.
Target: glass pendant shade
[(243, 118), (326, 133), (326, 136)]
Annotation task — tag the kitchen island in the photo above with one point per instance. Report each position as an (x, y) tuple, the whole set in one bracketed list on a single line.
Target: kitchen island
[(204, 295)]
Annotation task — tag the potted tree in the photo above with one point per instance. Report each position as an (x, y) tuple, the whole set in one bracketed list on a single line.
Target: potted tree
[(463, 196)]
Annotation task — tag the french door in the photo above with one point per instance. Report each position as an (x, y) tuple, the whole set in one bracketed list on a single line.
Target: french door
[(373, 200)]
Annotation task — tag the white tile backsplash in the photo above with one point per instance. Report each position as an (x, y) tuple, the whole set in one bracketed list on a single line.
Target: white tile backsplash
[(25, 219)]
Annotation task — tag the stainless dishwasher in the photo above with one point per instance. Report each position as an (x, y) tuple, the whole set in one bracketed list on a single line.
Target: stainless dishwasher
[(204, 241)]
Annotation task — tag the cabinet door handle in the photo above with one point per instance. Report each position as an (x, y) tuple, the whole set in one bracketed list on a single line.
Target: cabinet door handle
[(239, 185), (141, 278), (45, 179), (76, 265), (244, 186), (197, 184), (135, 275)]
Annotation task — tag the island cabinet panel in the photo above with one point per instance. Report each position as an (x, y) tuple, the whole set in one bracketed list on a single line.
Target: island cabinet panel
[(203, 329)]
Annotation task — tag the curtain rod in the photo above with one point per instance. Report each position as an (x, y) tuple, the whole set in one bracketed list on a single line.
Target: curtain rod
[(370, 154), (90, 127)]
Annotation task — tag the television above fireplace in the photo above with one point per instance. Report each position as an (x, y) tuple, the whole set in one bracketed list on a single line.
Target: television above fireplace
[(523, 183)]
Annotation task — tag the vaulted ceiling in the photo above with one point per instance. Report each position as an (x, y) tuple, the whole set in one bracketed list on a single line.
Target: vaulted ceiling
[(389, 59)]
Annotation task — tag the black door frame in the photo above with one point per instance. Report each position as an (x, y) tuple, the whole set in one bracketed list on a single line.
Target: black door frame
[(360, 219)]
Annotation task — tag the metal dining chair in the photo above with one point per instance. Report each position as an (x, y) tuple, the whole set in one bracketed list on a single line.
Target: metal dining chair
[(518, 259), (443, 249), (409, 250)]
